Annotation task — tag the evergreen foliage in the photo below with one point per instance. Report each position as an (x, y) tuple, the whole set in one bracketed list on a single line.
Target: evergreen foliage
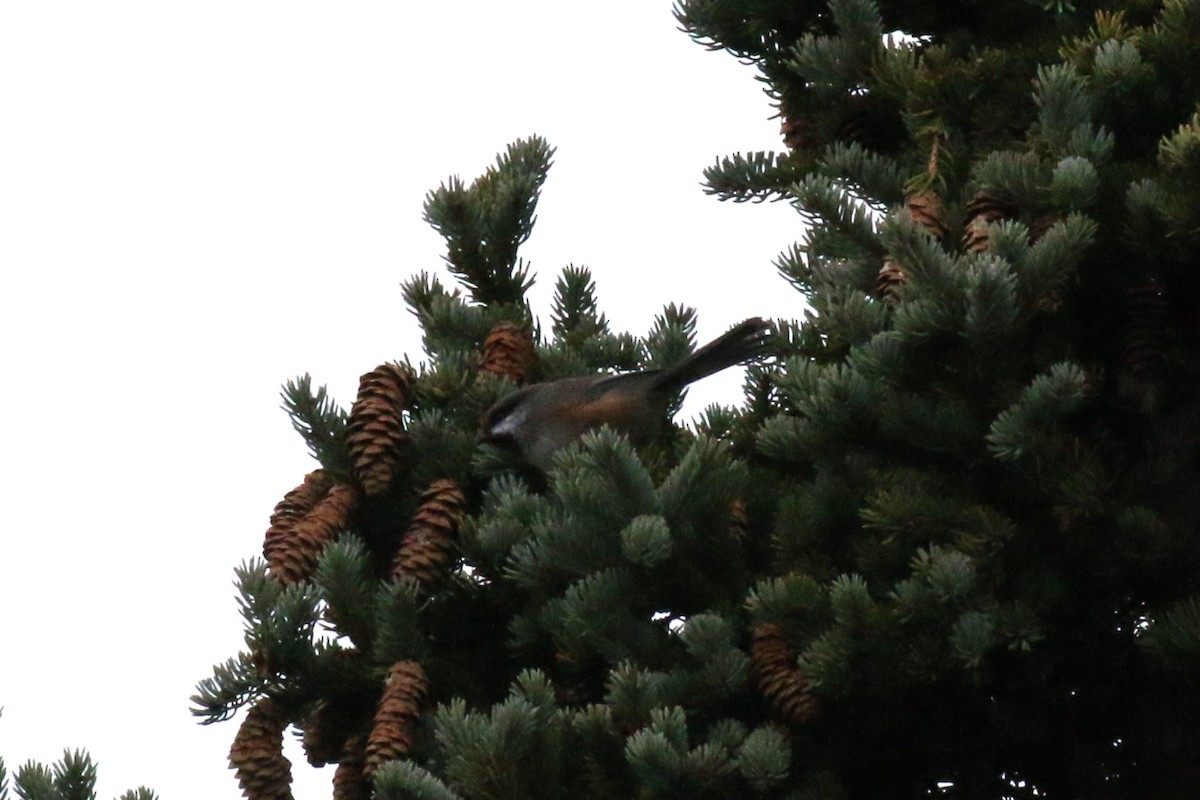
[(73, 777), (947, 547)]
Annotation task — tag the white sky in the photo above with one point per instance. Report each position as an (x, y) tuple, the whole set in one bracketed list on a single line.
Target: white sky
[(201, 200)]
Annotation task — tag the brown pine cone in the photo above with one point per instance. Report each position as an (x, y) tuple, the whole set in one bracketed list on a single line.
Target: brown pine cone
[(777, 676), (891, 276), (294, 506), (982, 210), (375, 432), (1147, 327), (428, 547), (324, 734), (738, 520), (257, 754), (796, 133), (1039, 227), (397, 715), (350, 781), (926, 208), (293, 546), (508, 353)]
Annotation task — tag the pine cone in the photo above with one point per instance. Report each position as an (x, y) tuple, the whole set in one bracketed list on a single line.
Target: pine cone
[(324, 734), (428, 545), (350, 781), (778, 677), (508, 353), (257, 754), (396, 718), (294, 506), (1041, 225), (293, 545), (982, 210), (891, 276), (796, 133), (1147, 327), (738, 520), (375, 432), (926, 208)]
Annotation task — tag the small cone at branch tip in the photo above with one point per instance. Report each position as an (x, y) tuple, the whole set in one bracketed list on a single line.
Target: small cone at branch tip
[(375, 433), (428, 547), (777, 676), (396, 717), (508, 352), (263, 772)]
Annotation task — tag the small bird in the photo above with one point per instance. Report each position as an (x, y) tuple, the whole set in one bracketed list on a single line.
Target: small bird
[(540, 419)]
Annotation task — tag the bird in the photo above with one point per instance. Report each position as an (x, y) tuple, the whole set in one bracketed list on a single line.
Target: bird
[(538, 420)]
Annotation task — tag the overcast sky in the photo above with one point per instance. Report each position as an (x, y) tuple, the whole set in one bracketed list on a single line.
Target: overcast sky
[(201, 200)]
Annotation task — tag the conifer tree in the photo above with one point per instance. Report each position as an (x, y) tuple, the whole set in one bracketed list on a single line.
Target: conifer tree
[(985, 551), (947, 545), (440, 620)]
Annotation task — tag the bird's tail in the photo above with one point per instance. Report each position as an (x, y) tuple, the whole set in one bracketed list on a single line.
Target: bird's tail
[(741, 343)]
